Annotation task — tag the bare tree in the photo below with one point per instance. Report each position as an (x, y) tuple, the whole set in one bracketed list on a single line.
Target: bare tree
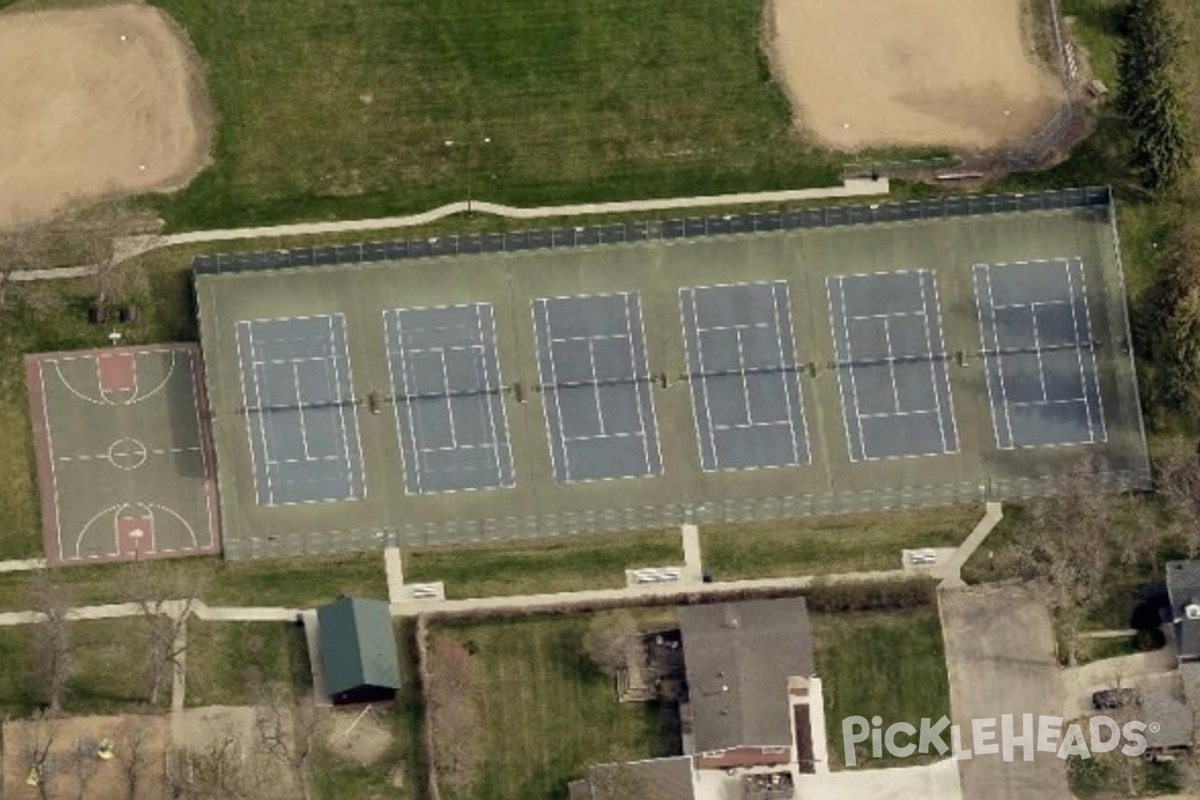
[(451, 691), (165, 600), (288, 735), (41, 769), (94, 235), (1179, 488), (83, 763), (1071, 550), (610, 639), (135, 757), (53, 657), (220, 771)]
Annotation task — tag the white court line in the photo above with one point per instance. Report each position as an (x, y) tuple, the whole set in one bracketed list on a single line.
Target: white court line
[(50, 454), (712, 441), (589, 337), (454, 348), (600, 437), (983, 347), (932, 364), (1069, 401), (1039, 302), (649, 393), (1087, 315), (261, 415), (449, 404), (746, 426), (739, 327), (999, 362), (596, 385), (335, 355), (941, 347), (638, 369), (388, 336), (862, 441), (890, 414), (562, 431), (841, 386), (487, 384), (1083, 381), (277, 361), (888, 314), (418, 471), (300, 411), (1037, 350), (891, 363), (783, 374), (737, 336)]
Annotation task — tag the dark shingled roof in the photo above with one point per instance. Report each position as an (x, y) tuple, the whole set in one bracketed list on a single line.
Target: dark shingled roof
[(358, 646), (739, 657), (664, 779), (1183, 588)]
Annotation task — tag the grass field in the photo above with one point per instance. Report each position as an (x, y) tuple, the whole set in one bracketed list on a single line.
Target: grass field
[(887, 664), (825, 545), (245, 663), (548, 713), (348, 113), (537, 566)]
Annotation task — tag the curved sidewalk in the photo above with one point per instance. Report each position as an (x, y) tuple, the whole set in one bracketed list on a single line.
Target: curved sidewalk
[(132, 246)]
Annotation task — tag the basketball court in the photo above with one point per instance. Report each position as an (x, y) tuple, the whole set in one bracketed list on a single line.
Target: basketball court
[(125, 465)]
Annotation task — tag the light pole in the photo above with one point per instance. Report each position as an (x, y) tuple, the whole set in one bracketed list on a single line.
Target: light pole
[(470, 145)]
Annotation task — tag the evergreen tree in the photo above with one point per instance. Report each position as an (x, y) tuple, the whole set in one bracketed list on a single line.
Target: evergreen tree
[(1149, 94)]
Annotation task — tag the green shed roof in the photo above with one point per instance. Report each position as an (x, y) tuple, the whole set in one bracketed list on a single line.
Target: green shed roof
[(358, 646)]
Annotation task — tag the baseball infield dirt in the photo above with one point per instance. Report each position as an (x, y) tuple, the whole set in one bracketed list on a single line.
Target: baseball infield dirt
[(873, 73), (96, 102)]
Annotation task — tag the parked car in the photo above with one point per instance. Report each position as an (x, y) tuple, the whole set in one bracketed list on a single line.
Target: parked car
[(1115, 698)]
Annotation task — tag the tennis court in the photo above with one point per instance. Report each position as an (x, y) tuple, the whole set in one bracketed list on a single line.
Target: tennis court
[(1035, 328), (619, 377), (891, 365), (596, 384), (301, 417), (742, 366), (450, 418)]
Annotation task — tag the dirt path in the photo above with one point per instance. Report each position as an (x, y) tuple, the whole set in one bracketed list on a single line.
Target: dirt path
[(871, 73), (96, 101)]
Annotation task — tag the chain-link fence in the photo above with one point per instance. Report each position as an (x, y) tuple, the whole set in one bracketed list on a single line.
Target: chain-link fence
[(689, 228), (547, 525)]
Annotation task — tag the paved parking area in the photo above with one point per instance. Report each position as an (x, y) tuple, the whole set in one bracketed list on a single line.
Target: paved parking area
[(1000, 659)]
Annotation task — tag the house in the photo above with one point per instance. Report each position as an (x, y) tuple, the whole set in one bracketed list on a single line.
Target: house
[(754, 718), (1183, 592), (739, 658), (358, 650)]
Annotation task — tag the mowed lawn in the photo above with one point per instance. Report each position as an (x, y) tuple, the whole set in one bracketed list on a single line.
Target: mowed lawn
[(246, 663), (548, 713), (887, 664), (343, 109), (825, 545), (566, 564)]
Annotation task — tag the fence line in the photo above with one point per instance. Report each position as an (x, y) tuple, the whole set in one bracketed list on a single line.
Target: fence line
[(672, 515), (655, 230)]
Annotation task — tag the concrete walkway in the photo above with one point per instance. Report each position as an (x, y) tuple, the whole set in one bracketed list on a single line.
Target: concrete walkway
[(130, 246), (693, 566), (395, 574), (951, 571), (664, 592)]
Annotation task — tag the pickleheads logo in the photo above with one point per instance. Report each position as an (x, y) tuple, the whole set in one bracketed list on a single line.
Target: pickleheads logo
[(989, 737)]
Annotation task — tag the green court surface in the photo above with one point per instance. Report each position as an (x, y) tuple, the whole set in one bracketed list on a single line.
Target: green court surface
[(125, 467), (1071, 397)]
